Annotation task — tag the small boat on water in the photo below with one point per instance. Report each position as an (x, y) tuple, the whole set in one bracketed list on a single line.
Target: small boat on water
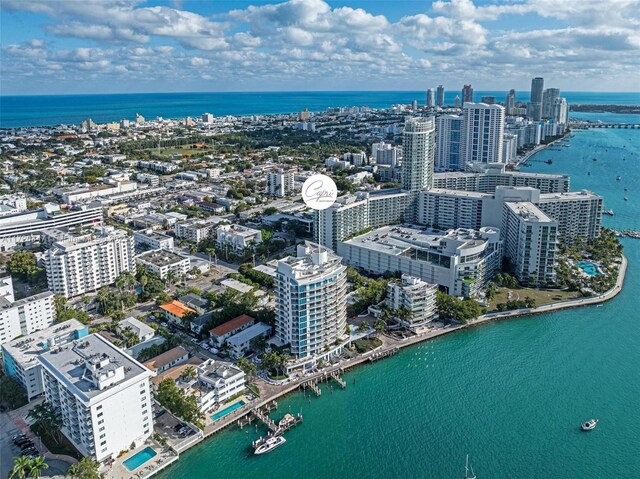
[(467, 474), (626, 198), (270, 444), (589, 425), (618, 178)]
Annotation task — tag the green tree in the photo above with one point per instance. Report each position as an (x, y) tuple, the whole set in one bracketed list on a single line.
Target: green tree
[(21, 466), (175, 400), (247, 366), (12, 393), (36, 466), (23, 264), (189, 373)]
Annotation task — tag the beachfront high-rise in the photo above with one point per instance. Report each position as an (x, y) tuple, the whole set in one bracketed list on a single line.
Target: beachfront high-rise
[(431, 98), (311, 307), (482, 133), (103, 395), (530, 242), (549, 97), (467, 94), (418, 153), (440, 96), (448, 130)]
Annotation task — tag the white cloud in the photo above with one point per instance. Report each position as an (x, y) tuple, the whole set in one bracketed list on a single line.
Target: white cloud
[(309, 40)]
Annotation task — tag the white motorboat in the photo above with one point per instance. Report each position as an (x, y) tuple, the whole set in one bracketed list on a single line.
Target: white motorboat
[(270, 444), (589, 425)]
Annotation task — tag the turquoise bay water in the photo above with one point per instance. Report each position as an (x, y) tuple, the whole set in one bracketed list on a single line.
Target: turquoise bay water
[(511, 394), (137, 460), (16, 111), (223, 412)]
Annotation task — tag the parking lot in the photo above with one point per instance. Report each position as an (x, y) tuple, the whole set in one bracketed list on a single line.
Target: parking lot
[(171, 427)]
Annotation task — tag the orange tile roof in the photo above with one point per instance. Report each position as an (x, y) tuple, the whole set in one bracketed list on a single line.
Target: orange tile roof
[(177, 308), (232, 324)]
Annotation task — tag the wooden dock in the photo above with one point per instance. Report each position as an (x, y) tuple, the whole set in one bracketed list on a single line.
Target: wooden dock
[(383, 354)]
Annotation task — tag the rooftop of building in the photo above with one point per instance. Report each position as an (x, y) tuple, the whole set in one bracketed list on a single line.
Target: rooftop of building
[(238, 230), (80, 363), (176, 308), (175, 372), (248, 334), (6, 304), (459, 193), (137, 326), (165, 358), (214, 370), (403, 240), (71, 242), (25, 348), (231, 325), (570, 195), (161, 257), (312, 260), (237, 285), (192, 299), (529, 212)]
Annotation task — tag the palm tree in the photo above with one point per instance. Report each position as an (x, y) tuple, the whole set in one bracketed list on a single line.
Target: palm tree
[(37, 465), (73, 472), (189, 373), (20, 467)]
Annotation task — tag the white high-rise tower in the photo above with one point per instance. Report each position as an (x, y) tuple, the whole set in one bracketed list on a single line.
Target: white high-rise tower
[(482, 133)]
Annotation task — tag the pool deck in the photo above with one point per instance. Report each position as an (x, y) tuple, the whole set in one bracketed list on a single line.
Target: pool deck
[(270, 392), (164, 457)]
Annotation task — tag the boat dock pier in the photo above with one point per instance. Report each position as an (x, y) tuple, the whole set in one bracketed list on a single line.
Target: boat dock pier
[(260, 413), (627, 234), (313, 385), (383, 354)]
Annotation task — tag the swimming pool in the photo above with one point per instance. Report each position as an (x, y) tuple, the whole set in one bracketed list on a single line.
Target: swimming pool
[(589, 268), (223, 412), (138, 459)]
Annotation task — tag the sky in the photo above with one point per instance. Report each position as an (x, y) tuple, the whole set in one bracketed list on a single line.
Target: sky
[(127, 46)]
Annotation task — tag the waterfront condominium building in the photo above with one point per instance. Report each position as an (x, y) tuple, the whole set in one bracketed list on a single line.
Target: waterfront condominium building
[(103, 395), (578, 213), (412, 294), (485, 178), (560, 113), (440, 96), (280, 182), (447, 209), (352, 214), (530, 242), (534, 108), (20, 356), (467, 94), (311, 307), (431, 97), (549, 98), (448, 132), (460, 261), (85, 263), (482, 133), (418, 153), (24, 316)]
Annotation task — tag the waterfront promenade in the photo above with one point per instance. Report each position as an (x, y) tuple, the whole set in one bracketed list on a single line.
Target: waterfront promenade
[(270, 392)]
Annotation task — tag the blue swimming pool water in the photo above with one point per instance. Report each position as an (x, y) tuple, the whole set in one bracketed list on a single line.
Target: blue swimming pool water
[(589, 268), (223, 412), (138, 459)]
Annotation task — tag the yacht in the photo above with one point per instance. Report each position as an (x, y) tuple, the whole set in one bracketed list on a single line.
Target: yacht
[(589, 425), (270, 444)]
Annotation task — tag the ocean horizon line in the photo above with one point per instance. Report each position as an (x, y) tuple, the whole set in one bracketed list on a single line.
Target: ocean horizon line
[(255, 92)]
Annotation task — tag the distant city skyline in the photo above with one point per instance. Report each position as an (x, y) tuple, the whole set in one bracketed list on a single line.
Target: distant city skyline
[(137, 46)]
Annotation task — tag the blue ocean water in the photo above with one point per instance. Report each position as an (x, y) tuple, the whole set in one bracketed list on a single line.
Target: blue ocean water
[(16, 111)]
